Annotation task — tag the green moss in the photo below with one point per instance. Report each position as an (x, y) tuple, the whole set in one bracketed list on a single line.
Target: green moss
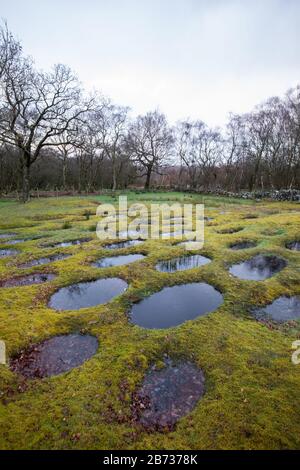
[(252, 387)]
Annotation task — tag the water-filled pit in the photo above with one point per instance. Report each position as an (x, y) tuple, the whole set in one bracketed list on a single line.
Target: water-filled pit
[(295, 246), (281, 310), (87, 294), (55, 355), (6, 253), (30, 279), (7, 235), (124, 244), (174, 305), (45, 260), (258, 268), (17, 240), (69, 243), (111, 261), (182, 263), (168, 394), (242, 245)]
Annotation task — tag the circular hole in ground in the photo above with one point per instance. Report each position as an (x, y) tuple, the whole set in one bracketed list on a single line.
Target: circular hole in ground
[(295, 245), (168, 394), (30, 279), (281, 310), (6, 253), (244, 245), (55, 355), (258, 268), (87, 294), (45, 260), (174, 305), (182, 263), (111, 261)]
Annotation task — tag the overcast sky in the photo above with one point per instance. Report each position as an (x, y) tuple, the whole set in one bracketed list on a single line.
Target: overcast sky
[(189, 58)]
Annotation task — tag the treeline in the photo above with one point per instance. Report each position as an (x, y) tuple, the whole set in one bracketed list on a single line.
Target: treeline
[(54, 135)]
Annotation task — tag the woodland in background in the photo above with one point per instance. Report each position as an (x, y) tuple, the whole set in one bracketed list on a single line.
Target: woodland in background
[(56, 136)]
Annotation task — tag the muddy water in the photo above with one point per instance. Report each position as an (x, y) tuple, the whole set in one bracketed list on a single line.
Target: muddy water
[(182, 263), (87, 294), (175, 305), (168, 394), (258, 268), (55, 356), (7, 235)]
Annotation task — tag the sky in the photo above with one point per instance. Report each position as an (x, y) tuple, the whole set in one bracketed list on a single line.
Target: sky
[(188, 58)]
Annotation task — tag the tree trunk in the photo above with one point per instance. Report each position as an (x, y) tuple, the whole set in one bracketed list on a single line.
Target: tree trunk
[(114, 171), (26, 182), (148, 177)]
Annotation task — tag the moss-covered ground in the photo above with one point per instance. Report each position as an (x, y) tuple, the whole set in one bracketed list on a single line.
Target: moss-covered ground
[(252, 386)]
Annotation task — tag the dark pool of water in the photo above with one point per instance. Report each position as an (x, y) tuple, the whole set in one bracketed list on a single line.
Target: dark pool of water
[(258, 268), (295, 246), (175, 305), (70, 243), (182, 263), (242, 245), (55, 356), (281, 310), (168, 394), (125, 244), (110, 261), (45, 260), (37, 278), (5, 253), (7, 235), (87, 294)]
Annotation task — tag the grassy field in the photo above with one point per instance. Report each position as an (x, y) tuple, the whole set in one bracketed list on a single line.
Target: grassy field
[(252, 388)]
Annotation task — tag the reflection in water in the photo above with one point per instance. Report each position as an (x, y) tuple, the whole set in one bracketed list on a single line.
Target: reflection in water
[(182, 263), (70, 243), (168, 394), (281, 310), (87, 294), (175, 305), (110, 261), (55, 355), (258, 268), (125, 244)]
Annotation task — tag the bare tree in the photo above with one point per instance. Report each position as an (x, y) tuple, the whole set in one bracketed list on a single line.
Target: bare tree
[(36, 109), (10, 49), (112, 124), (149, 143)]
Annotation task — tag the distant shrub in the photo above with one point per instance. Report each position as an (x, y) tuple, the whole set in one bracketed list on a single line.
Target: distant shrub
[(87, 214), (66, 225)]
